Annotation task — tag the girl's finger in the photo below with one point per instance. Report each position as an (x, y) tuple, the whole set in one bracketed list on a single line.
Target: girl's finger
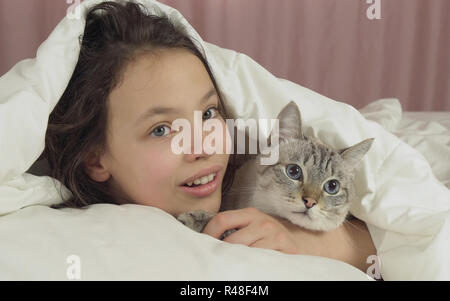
[(246, 236), (228, 220), (265, 243)]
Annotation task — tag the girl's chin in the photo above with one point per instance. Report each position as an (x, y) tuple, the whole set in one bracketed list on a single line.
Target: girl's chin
[(210, 204)]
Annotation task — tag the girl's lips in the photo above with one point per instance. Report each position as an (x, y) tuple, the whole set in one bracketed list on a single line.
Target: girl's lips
[(205, 189)]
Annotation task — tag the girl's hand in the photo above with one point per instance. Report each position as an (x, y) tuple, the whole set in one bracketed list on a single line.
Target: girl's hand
[(255, 229)]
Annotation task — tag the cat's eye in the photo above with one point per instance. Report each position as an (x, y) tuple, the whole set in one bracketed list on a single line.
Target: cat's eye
[(160, 131), (294, 171), (331, 186)]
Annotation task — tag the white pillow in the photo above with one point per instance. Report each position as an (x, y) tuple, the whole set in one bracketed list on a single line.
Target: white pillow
[(395, 185), (132, 242)]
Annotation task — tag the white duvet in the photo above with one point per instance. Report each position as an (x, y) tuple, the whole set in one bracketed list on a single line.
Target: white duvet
[(428, 132), (406, 208)]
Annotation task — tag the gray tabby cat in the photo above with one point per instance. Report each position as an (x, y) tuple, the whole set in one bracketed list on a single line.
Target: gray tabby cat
[(311, 185)]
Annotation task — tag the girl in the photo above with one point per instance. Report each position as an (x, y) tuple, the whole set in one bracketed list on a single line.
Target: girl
[(109, 137)]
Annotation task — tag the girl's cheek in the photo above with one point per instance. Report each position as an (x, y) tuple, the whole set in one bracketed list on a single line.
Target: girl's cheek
[(160, 165)]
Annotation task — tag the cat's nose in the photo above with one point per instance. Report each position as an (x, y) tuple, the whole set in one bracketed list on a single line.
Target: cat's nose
[(309, 202)]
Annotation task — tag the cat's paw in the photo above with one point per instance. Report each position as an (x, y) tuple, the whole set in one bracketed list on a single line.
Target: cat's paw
[(196, 220)]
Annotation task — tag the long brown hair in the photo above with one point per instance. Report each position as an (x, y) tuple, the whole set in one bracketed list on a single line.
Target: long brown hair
[(115, 33)]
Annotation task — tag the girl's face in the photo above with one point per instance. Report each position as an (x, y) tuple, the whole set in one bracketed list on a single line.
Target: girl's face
[(139, 161)]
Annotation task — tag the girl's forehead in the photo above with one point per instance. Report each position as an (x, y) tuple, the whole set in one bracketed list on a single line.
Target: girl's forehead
[(162, 71), (172, 78)]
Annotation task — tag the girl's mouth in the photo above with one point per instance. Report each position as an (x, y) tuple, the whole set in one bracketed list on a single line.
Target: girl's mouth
[(202, 180), (202, 186)]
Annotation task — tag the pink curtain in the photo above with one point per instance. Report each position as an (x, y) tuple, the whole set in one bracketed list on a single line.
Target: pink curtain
[(329, 46), (24, 25)]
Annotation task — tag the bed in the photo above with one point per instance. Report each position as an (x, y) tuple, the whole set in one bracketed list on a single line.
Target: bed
[(401, 191)]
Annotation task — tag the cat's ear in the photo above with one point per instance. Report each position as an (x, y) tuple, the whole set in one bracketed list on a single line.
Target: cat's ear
[(290, 122), (354, 154)]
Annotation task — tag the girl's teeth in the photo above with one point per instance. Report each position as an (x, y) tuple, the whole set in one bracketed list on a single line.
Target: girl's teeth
[(202, 180)]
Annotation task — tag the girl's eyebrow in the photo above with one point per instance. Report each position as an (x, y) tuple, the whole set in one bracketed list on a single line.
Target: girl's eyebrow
[(166, 110)]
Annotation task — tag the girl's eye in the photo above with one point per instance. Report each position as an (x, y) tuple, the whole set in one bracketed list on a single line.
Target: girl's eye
[(210, 113), (331, 187), (160, 131), (294, 171)]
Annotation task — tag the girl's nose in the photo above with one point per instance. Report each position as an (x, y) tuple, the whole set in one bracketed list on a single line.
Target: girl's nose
[(194, 157)]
